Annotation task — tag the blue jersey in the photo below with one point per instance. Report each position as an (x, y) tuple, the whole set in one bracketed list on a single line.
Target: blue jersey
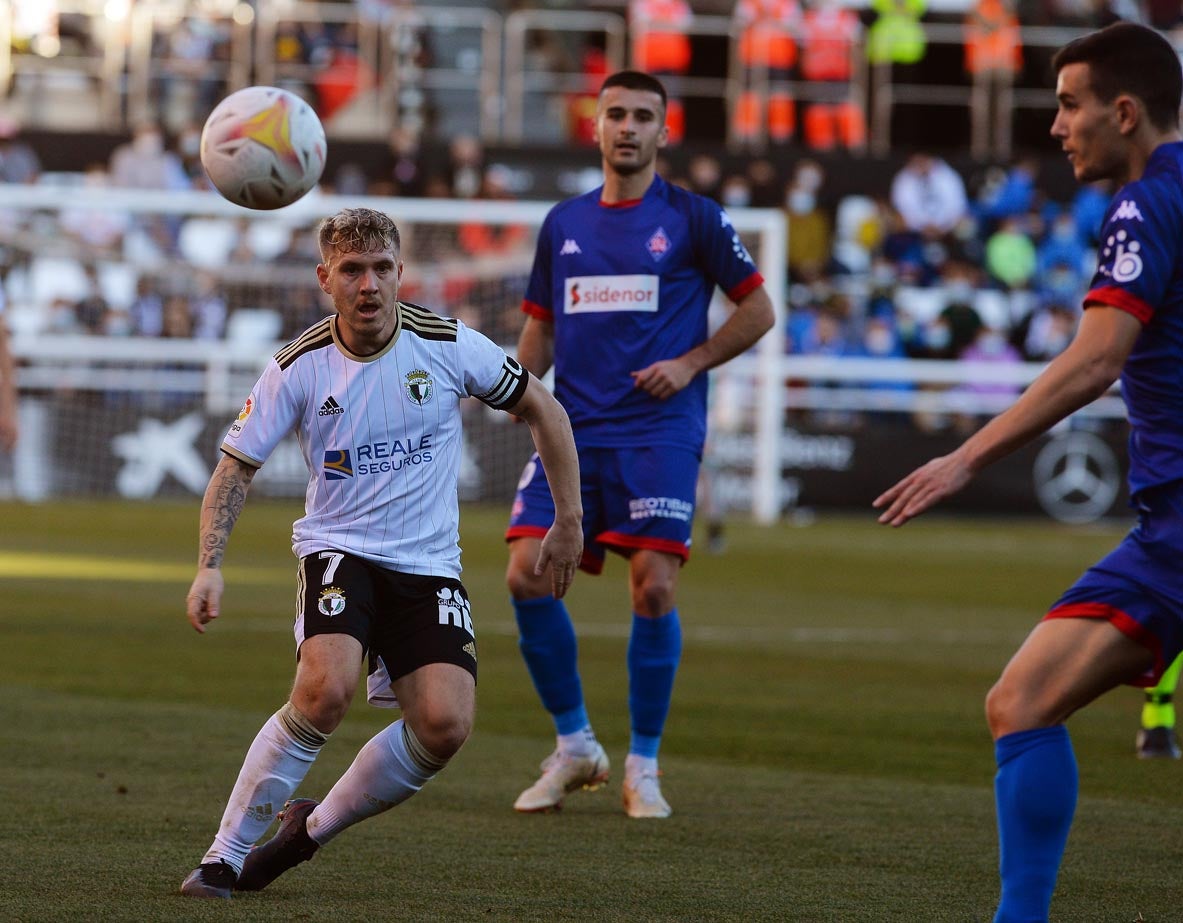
[(625, 286), (1140, 270)]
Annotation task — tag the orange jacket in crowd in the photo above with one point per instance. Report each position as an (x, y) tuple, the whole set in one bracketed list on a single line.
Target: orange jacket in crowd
[(828, 36), (768, 38), (992, 40), (660, 42)]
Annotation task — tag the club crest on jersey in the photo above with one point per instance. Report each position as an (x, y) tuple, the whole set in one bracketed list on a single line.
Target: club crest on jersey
[(332, 601), (419, 387), (236, 426), (659, 244)]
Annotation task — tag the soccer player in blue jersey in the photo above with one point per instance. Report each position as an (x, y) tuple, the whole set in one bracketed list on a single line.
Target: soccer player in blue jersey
[(617, 302), (373, 394), (1119, 92)]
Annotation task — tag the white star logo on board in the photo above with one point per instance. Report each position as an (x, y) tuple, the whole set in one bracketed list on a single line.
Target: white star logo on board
[(156, 450)]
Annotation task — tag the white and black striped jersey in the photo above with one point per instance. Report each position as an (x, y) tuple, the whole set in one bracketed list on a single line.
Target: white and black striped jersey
[(381, 435)]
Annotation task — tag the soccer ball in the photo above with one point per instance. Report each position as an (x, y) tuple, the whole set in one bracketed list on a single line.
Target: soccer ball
[(263, 147)]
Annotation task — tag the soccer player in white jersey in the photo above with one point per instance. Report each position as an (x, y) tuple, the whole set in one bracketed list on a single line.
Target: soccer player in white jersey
[(373, 393), (617, 301)]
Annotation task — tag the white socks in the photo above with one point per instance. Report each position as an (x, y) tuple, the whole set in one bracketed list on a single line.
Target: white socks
[(275, 765), (388, 770), (581, 743), (637, 766)]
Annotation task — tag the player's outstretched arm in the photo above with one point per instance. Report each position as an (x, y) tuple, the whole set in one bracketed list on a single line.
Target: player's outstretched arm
[(1079, 375), (562, 547), (753, 317), (224, 498)]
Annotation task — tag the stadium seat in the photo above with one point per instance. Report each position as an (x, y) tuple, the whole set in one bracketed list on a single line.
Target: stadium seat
[(254, 325), (207, 242), (53, 277)]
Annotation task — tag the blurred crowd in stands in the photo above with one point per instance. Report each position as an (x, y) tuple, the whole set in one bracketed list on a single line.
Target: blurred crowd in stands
[(936, 264)]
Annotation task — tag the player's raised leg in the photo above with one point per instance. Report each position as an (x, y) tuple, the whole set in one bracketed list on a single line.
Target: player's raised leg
[(654, 651), (1156, 737), (548, 645), (1063, 665), (279, 758)]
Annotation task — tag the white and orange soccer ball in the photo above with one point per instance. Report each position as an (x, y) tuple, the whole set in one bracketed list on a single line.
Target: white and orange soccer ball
[(263, 147)]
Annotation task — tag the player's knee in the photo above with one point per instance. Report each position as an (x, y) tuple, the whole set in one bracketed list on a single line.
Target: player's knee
[(522, 582), (442, 731), (654, 595), (1004, 711), (325, 705)]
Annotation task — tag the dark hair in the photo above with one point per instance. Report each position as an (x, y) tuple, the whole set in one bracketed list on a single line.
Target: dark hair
[(635, 80), (359, 230), (1129, 58)]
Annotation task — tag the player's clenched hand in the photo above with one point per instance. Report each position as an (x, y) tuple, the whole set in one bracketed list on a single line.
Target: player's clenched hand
[(204, 602), (923, 488), (561, 550), (665, 378)]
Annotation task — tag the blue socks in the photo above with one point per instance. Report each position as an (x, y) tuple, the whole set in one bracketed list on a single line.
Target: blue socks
[(654, 649), (1035, 791), (547, 641)]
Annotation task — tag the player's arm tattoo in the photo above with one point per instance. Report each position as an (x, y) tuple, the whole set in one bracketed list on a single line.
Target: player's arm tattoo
[(224, 500)]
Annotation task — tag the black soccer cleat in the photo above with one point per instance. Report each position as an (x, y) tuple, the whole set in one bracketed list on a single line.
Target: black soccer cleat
[(290, 846), (1158, 744), (210, 879)]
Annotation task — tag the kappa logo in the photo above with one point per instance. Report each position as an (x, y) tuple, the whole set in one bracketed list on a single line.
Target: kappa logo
[(569, 248), (659, 244), (330, 408), (418, 387), (1128, 210), (332, 601)]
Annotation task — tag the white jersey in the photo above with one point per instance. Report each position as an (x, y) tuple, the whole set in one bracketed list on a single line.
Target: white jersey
[(381, 435)]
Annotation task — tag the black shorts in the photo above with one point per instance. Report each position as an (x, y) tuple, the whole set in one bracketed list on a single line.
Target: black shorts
[(403, 621)]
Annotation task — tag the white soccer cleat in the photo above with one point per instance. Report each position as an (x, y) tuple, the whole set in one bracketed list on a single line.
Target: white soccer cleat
[(642, 796), (563, 773)]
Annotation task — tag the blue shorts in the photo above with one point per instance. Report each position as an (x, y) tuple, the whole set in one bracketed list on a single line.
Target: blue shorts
[(632, 499), (1138, 587)]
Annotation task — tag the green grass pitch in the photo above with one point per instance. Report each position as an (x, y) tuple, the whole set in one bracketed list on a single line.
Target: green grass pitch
[(826, 755)]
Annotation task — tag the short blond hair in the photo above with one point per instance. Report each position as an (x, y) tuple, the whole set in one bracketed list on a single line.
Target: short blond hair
[(357, 230)]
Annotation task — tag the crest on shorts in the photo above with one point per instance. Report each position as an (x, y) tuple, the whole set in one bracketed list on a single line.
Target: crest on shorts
[(419, 387), (332, 601)]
